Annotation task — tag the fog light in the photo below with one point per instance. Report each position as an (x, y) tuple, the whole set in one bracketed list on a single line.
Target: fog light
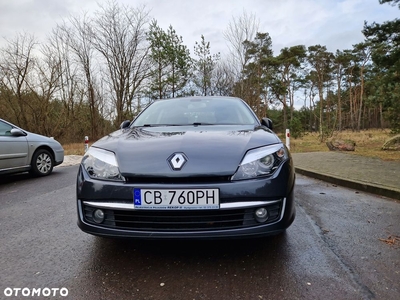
[(98, 216), (261, 214)]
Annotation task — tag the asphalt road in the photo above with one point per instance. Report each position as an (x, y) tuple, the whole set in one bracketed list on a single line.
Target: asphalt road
[(339, 247)]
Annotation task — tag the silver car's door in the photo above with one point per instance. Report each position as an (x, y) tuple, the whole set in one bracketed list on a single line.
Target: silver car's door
[(13, 148)]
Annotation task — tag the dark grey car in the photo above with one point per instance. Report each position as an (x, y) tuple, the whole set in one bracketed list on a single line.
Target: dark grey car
[(22, 151), (196, 167)]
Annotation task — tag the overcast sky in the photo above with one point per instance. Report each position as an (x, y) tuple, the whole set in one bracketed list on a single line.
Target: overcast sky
[(336, 24)]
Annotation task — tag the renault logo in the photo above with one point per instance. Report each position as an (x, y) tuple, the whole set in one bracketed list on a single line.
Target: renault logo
[(177, 160)]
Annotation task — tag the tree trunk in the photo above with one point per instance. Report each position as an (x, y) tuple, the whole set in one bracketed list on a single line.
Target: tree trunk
[(361, 99)]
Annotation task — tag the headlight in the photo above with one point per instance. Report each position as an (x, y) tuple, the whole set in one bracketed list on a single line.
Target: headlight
[(261, 162), (101, 164)]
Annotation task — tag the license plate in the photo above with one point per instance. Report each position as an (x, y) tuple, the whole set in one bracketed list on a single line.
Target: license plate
[(176, 198)]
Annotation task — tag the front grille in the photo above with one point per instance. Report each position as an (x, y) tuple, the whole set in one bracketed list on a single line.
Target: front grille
[(177, 180), (182, 220)]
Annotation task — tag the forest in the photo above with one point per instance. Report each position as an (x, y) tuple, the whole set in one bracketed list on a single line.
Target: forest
[(92, 73)]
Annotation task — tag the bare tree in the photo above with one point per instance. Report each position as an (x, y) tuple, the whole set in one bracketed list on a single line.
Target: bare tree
[(16, 63), (70, 87), (118, 33), (224, 79), (43, 88), (78, 38), (239, 30)]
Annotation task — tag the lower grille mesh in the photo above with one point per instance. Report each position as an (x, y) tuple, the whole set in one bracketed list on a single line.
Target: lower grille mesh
[(180, 220)]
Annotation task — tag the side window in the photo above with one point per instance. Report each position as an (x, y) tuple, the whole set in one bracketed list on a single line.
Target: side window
[(5, 129)]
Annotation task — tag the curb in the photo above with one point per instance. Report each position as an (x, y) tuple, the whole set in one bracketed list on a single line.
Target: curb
[(361, 186)]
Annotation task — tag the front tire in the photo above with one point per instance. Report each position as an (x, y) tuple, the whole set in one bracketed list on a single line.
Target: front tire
[(42, 163)]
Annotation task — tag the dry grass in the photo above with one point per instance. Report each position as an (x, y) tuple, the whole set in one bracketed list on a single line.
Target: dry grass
[(368, 143), (74, 149)]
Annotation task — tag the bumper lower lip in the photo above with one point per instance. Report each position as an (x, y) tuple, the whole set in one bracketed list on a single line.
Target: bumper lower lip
[(234, 234), (259, 231)]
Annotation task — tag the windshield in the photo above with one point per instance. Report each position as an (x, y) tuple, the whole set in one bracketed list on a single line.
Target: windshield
[(196, 111)]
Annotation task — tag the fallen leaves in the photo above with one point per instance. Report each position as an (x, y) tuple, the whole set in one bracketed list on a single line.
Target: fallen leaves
[(392, 240)]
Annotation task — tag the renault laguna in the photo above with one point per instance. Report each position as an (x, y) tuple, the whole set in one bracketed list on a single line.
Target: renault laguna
[(194, 167)]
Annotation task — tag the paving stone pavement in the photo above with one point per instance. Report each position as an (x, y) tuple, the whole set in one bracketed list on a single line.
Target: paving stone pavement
[(371, 175)]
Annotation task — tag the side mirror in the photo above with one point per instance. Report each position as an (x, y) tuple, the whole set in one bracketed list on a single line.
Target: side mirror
[(17, 132), (267, 122), (125, 124)]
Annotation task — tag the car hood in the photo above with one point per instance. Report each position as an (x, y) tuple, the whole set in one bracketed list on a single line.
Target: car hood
[(209, 150)]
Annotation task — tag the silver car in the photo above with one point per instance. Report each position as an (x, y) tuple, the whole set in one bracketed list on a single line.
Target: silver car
[(22, 151)]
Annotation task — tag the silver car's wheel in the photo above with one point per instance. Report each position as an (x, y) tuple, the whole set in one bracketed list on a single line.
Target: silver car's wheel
[(42, 163)]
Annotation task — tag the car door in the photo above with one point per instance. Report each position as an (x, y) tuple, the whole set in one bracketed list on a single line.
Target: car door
[(13, 148)]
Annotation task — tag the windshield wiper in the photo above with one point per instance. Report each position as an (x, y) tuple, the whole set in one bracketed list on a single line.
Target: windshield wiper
[(161, 125), (198, 123)]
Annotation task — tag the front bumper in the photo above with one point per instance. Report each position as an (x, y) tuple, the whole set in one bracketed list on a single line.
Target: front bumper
[(234, 219), (58, 157)]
